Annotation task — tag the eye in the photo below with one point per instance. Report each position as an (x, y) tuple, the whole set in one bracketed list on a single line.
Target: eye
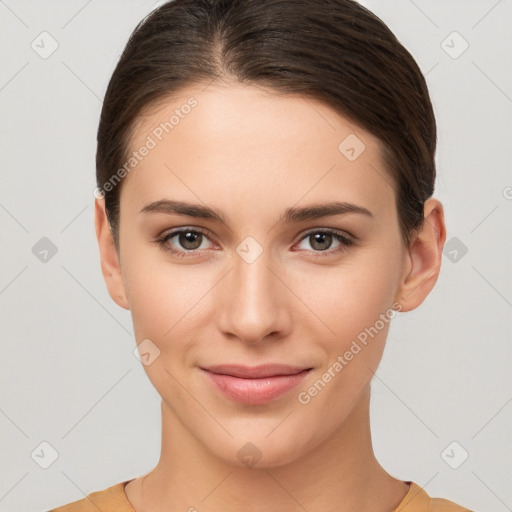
[(321, 241), (188, 240)]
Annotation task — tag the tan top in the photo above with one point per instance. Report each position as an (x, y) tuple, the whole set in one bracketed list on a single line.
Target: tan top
[(114, 499)]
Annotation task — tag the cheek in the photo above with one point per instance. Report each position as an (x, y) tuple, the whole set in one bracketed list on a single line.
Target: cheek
[(359, 312), (350, 299), (165, 299), (167, 309), (371, 296)]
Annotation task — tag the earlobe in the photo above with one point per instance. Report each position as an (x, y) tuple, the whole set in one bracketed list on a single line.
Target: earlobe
[(110, 264), (424, 258)]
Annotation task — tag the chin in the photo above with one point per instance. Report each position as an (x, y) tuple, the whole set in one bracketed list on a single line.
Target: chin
[(259, 452)]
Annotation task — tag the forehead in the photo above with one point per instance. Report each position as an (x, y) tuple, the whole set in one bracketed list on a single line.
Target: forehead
[(230, 142)]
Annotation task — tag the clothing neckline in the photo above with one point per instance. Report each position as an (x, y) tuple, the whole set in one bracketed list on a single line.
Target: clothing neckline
[(416, 496)]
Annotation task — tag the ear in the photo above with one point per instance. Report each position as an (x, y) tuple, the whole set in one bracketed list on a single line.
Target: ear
[(110, 263), (423, 261)]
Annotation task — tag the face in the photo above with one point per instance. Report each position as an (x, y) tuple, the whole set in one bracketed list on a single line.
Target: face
[(261, 280)]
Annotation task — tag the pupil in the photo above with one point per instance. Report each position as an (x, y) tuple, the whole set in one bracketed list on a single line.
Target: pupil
[(190, 240), (321, 238)]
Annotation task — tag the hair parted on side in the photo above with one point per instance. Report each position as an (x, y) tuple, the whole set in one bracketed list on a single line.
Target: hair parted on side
[(334, 51)]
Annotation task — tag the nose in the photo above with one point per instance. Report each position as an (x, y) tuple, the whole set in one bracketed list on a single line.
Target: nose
[(254, 301)]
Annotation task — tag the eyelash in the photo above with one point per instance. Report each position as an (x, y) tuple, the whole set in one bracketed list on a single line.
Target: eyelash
[(345, 241)]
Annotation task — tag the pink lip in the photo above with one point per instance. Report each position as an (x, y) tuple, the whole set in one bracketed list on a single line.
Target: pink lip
[(255, 385)]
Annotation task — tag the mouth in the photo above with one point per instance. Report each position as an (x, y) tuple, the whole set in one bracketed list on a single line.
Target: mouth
[(255, 385)]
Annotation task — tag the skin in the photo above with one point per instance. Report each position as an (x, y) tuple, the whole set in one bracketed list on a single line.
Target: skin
[(251, 154)]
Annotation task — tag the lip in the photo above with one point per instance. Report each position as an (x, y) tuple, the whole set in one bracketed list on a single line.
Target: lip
[(255, 385)]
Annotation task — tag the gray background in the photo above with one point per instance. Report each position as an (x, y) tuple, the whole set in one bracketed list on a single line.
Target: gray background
[(68, 373)]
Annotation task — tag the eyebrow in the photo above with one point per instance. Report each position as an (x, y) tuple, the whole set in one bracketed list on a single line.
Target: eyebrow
[(293, 214)]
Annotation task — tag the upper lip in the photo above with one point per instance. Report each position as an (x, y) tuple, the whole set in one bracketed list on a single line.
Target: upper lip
[(254, 372)]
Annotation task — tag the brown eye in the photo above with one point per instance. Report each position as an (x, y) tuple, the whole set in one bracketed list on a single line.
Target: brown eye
[(189, 239), (186, 240), (322, 241)]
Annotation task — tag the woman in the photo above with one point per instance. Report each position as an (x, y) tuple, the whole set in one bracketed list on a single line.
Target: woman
[(264, 208)]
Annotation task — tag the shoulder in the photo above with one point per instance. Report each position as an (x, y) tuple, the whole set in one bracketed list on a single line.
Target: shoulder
[(443, 505), (111, 499), (417, 500)]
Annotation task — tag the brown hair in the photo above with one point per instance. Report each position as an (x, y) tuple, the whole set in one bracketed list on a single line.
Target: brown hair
[(335, 51)]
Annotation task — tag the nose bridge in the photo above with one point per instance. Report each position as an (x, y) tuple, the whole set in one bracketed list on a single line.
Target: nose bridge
[(251, 304)]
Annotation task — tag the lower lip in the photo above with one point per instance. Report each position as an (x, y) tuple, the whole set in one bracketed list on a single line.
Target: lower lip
[(255, 391)]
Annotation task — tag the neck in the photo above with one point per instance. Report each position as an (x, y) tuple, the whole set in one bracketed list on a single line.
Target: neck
[(339, 475)]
